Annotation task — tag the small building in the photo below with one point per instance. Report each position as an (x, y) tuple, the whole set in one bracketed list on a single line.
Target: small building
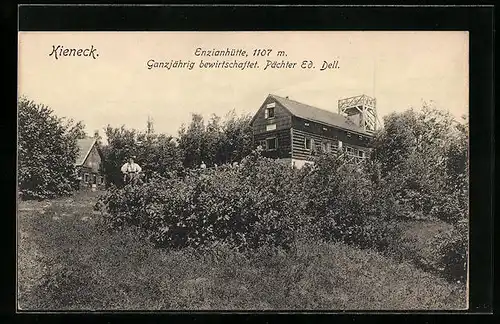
[(89, 164), (293, 131)]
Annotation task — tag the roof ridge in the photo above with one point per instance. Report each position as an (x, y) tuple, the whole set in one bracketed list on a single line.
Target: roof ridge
[(299, 102), (293, 105)]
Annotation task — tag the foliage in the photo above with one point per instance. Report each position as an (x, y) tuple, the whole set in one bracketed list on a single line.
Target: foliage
[(219, 141), (68, 261), (156, 153), (418, 171), (47, 151), (423, 161), (248, 206)]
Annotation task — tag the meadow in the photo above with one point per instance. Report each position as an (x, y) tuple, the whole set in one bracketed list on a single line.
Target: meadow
[(68, 260)]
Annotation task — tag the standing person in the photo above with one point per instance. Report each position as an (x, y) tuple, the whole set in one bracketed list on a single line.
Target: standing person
[(203, 165), (131, 171)]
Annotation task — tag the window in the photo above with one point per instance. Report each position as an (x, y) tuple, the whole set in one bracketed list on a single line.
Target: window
[(361, 154), (308, 143), (272, 143), (86, 177), (328, 147), (270, 127), (269, 112), (101, 180)]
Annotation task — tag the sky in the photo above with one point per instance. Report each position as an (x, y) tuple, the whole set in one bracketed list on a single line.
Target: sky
[(399, 69)]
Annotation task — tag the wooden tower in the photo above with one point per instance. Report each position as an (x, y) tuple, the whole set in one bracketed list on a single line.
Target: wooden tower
[(362, 110)]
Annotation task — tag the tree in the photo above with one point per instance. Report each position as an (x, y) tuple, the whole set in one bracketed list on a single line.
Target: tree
[(192, 142), (156, 153), (121, 145), (238, 137), (218, 141), (423, 160), (47, 151)]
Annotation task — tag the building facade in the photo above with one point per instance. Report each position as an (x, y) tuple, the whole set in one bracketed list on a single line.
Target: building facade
[(294, 132), (89, 164)]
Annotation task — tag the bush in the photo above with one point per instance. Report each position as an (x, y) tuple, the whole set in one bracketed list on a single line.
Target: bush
[(47, 151), (259, 203), (423, 162), (265, 203), (254, 204), (71, 264), (156, 153)]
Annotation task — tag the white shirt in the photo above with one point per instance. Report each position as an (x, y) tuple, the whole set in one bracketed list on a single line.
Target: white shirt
[(131, 167)]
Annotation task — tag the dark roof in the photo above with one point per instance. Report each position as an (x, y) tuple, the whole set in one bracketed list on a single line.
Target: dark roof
[(311, 113), (84, 147)]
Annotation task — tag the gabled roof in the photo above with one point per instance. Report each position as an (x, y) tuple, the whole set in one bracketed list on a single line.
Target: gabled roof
[(323, 116), (84, 147)]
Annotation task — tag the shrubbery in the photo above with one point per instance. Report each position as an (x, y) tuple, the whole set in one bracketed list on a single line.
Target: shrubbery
[(217, 141), (248, 206), (418, 171), (259, 203), (74, 264), (47, 151)]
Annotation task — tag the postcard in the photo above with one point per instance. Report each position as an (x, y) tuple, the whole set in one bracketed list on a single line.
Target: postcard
[(243, 171)]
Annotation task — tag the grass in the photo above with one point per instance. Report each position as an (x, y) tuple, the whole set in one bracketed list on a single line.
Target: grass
[(67, 261)]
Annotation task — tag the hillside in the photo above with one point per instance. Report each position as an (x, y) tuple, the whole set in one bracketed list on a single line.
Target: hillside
[(67, 261)]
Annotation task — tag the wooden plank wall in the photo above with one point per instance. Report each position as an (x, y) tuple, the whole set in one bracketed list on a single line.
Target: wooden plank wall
[(284, 143), (282, 118), (299, 148), (331, 132)]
